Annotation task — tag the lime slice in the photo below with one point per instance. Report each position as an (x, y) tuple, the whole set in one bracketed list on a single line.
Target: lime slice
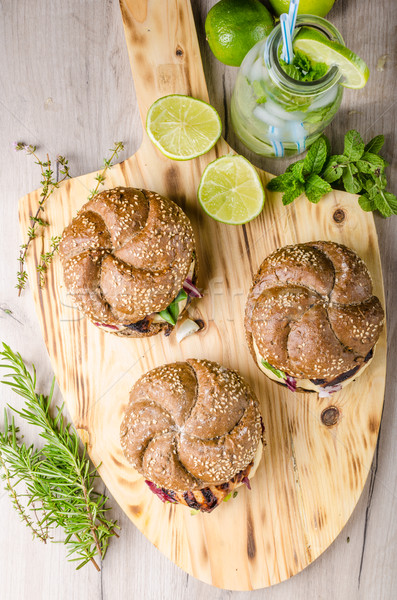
[(183, 127), (320, 49), (230, 190)]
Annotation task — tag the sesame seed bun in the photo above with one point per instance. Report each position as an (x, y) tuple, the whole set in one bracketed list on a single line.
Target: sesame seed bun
[(125, 256), (190, 425), (311, 314)]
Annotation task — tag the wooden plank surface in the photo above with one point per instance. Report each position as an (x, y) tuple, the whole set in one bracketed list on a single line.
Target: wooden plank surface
[(27, 113)]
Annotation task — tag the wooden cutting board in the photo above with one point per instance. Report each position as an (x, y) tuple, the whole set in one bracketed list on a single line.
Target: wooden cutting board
[(312, 474)]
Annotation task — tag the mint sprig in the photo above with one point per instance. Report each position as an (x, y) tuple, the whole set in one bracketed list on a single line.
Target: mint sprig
[(359, 170), (303, 69), (303, 176)]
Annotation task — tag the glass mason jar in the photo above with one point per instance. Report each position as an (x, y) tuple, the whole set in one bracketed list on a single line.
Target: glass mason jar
[(275, 115)]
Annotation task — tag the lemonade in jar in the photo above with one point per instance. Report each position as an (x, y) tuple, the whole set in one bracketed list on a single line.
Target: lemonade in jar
[(279, 109)]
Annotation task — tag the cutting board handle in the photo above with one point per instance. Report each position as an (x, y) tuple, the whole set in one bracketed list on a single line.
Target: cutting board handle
[(163, 50)]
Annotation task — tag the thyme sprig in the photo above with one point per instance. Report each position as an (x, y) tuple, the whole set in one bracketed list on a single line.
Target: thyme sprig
[(46, 259), (107, 164), (49, 184), (58, 478)]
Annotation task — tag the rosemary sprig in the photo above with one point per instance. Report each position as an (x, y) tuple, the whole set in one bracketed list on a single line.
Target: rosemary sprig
[(49, 185), (107, 164), (10, 452), (58, 478)]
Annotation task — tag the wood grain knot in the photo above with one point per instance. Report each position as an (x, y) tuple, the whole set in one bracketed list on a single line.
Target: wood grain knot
[(330, 416), (339, 215), (179, 51), (84, 435)]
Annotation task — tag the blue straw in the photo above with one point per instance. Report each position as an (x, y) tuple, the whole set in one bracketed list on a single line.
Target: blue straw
[(292, 14), (287, 54)]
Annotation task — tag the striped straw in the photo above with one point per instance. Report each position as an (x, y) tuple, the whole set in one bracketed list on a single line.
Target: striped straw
[(292, 14), (287, 53)]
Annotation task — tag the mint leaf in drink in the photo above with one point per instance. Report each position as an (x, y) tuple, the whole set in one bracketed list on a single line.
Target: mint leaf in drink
[(293, 192), (386, 203), (259, 91), (318, 71), (350, 181), (281, 183), (375, 145), (316, 157), (354, 145), (366, 203), (316, 188), (334, 168), (291, 70), (302, 68)]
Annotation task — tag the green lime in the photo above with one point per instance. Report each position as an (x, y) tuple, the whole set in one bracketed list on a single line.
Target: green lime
[(306, 7), (183, 127), (232, 27), (320, 49), (230, 190)]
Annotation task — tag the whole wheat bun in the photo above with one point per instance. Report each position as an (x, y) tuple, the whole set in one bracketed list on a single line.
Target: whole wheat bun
[(125, 256), (311, 312), (190, 424)]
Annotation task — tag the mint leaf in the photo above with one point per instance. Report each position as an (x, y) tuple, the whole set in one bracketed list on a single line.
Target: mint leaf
[(281, 183), (291, 70), (366, 203), (316, 188), (297, 170), (276, 372), (374, 186), (371, 163), (386, 203), (334, 167), (259, 91), (354, 145), (316, 157), (375, 145), (319, 70), (293, 193), (302, 68), (350, 182)]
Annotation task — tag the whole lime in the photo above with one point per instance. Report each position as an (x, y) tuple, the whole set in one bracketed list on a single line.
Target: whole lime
[(234, 26), (306, 7)]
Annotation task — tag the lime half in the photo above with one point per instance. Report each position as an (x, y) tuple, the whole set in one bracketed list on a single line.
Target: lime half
[(320, 49), (230, 190), (183, 127)]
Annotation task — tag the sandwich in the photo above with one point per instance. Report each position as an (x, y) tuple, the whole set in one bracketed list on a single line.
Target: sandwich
[(311, 319), (194, 431), (129, 261)]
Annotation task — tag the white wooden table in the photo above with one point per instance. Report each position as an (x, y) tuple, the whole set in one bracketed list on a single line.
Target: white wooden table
[(66, 86)]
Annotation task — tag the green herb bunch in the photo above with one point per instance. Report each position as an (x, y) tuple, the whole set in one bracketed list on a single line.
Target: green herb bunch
[(359, 170), (57, 479)]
